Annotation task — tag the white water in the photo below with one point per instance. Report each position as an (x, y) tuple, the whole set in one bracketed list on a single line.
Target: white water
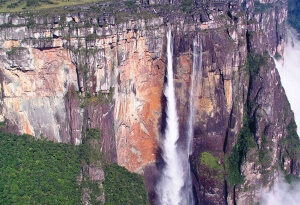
[(284, 193), (175, 186), (196, 75), (290, 73), (194, 90), (172, 179)]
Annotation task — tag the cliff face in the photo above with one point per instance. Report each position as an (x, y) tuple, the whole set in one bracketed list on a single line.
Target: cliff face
[(65, 83), (64, 74)]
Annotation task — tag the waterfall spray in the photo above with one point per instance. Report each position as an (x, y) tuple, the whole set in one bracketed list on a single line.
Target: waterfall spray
[(172, 179)]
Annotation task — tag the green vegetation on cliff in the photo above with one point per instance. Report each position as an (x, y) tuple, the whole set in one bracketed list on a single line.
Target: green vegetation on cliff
[(91, 156), (233, 163), (187, 5), (23, 5), (42, 172), (90, 153), (14, 51), (208, 160), (37, 171), (294, 13), (264, 154), (291, 150), (123, 187), (212, 168), (262, 7), (291, 143), (255, 64)]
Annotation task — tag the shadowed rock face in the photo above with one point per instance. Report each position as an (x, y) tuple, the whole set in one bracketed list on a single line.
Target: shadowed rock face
[(57, 78)]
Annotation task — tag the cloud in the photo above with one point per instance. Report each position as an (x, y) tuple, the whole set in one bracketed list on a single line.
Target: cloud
[(282, 194), (290, 73)]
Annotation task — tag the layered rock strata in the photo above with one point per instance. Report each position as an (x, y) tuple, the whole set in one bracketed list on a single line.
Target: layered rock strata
[(64, 74)]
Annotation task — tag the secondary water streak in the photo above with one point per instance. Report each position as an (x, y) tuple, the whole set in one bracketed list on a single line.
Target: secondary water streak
[(196, 75)]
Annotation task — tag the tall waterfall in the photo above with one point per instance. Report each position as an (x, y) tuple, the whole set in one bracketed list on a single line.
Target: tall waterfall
[(172, 179), (175, 185)]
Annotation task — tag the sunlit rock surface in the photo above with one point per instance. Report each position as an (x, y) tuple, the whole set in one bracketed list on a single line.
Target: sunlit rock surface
[(64, 74)]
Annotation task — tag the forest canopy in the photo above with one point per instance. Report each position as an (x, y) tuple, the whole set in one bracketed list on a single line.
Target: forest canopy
[(37, 171), (43, 172)]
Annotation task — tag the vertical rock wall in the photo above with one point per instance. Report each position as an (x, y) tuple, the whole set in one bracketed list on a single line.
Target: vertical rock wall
[(62, 75)]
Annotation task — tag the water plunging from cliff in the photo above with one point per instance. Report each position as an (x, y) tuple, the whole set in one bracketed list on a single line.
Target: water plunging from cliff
[(172, 179), (196, 75), (194, 89), (290, 73)]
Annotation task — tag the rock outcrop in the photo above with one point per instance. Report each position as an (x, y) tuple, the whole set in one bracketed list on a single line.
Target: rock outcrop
[(64, 74)]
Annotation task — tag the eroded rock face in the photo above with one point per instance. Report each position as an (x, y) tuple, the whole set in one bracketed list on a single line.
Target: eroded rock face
[(68, 81), (69, 74), (33, 91), (138, 105)]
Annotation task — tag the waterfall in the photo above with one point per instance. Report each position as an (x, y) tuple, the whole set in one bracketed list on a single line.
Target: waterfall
[(290, 72), (172, 179), (194, 90), (175, 185)]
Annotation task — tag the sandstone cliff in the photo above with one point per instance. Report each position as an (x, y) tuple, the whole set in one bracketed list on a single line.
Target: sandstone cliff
[(74, 71)]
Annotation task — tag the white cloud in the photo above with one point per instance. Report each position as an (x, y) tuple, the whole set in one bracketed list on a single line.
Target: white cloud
[(290, 73), (282, 194)]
